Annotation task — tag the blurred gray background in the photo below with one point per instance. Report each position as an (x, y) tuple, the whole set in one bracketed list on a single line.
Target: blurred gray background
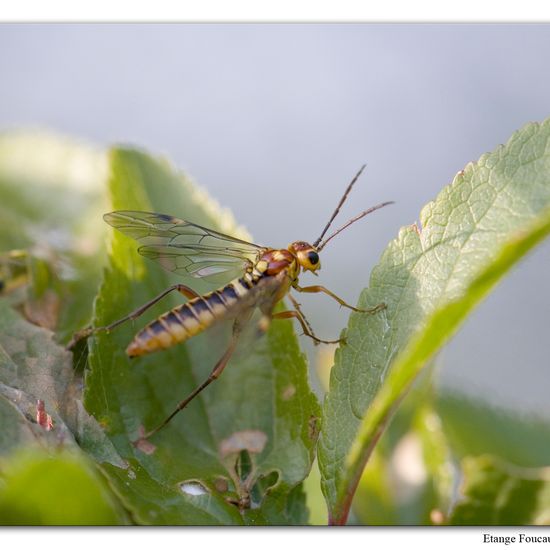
[(274, 120)]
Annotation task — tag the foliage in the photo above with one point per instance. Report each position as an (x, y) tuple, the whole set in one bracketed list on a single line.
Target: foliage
[(499, 494), (430, 278), (265, 391), (54, 489), (239, 454)]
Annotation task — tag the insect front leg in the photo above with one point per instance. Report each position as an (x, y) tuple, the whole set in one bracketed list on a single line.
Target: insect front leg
[(188, 292), (319, 288)]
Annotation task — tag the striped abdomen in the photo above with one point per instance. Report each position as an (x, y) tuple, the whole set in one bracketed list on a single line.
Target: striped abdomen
[(187, 320)]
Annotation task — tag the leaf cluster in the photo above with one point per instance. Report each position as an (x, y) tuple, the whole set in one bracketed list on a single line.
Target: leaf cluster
[(391, 448)]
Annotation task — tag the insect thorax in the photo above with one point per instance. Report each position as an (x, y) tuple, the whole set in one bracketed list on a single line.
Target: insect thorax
[(272, 262)]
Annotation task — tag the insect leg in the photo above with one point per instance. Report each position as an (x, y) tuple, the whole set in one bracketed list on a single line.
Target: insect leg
[(295, 314), (318, 288), (299, 310), (88, 331), (216, 371), (185, 290)]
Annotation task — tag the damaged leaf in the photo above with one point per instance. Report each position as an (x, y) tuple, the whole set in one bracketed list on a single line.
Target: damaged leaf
[(251, 397)]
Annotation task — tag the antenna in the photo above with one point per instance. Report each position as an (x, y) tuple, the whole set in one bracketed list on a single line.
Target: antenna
[(342, 200), (353, 220)]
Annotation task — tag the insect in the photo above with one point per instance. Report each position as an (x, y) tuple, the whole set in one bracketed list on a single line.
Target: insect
[(260, 277)]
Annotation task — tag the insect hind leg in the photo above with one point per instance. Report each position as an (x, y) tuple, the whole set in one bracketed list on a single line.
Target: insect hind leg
[(238, 326), (216, 371), (188, 292)]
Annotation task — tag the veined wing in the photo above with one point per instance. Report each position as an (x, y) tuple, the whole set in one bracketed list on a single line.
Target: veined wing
[(184, 247)]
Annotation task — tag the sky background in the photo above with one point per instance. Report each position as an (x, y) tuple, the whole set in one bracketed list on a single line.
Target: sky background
[(274, 120)]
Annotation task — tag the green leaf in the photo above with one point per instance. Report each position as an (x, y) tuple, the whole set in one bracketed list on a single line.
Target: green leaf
[(33, 367), (430, 278), (504, 433), (45, 478), (52, 191), (186, 480), (314, 497), (496, 493), (438, 460), (37, 170), (409, 477), (63, 489)]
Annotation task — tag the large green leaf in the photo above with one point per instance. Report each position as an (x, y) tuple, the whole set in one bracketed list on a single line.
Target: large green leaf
[(59, 489), (32, 367), (519, 439), (52, 191), (430, 278), (496, 493), (50, 186), (46, 479), (187, 480)]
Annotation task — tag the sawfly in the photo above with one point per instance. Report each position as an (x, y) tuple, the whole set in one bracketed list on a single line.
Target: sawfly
[(259, 277)]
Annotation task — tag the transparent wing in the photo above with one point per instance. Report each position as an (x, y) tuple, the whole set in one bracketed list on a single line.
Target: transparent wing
[(258, 303), (186, 248)]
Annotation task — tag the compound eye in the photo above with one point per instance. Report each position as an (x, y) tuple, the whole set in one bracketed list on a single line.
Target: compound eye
[(313, 258)]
